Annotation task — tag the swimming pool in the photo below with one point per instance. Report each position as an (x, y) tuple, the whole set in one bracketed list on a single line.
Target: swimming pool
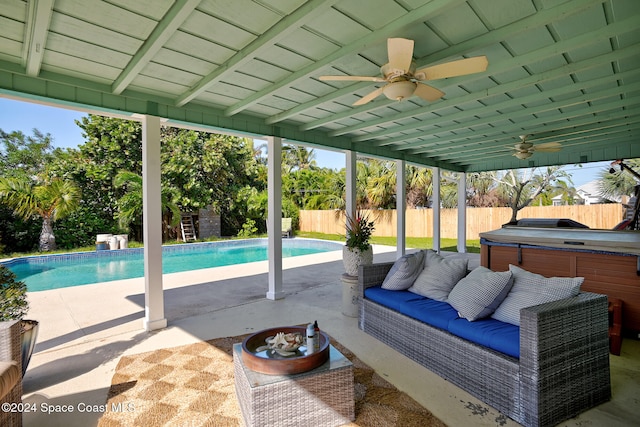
[(45, 272)]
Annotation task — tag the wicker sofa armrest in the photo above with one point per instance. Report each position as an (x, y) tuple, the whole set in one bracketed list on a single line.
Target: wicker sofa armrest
[(564, 357), (560, 325), (10, 346), (372, 275), (11, 353)]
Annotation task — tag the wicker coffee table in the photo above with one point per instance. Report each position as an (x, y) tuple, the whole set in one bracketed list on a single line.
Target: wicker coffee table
[(321, 397)]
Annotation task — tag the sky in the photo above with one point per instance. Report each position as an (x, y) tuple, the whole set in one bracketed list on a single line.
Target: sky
[(60, 123)]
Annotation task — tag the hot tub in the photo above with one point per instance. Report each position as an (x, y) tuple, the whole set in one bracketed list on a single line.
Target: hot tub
[(608, 260)]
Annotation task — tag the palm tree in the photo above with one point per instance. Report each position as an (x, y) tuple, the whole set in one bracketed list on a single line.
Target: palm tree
[(614, 184), (482, 189), (419, 186), (130, 204), (297, 157), (51, 201)]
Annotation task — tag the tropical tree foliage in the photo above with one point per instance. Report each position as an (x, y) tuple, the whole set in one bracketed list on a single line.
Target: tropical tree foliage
[(616, 182), (130, 204), (297, 157), (24, 156), (228, 174), (482, 190), (519, 187), (50, 201)]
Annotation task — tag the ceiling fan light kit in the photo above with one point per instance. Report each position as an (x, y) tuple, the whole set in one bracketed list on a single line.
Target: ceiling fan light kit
[(522, 154), (399, 90)]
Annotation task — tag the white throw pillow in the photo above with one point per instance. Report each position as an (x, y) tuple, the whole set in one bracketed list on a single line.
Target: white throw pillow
[(531, 289), (478, 294), (439, 276), (404, 272)]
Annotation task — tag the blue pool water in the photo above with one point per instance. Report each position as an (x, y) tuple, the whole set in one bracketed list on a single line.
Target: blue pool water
[(60, 271)]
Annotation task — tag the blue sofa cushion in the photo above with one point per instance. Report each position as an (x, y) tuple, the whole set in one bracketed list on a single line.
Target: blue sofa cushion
[(432, 312), (490, 333), (494, 334)]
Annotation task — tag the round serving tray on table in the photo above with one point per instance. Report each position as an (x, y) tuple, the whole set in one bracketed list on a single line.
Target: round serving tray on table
[(273, 364)]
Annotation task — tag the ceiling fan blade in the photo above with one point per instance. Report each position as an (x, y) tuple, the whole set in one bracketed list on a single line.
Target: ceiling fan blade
[(427, 92), (547, 145), (369, 97), (400, 53), (548, 150), (461, 67), (353, 78)]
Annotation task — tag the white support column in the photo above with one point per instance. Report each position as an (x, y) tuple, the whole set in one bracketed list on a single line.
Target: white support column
[(436, 209), (401, 206), (152, 228), (462, 213), (351, 184), (274, 219)]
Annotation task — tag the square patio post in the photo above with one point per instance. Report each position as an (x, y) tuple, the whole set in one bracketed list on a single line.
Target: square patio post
[(274, 219), (401, 205), (152, 224), (351, 161), (435, 207), (462, 213)]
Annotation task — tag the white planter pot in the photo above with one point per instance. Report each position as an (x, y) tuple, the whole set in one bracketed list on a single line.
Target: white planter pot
[(353, 258), (28, 335)]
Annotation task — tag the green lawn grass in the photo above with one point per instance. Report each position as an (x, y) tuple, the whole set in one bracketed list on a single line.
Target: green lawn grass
[(411, 242)]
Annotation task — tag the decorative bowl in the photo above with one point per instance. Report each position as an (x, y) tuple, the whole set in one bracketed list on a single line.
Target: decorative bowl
[(273, 364)]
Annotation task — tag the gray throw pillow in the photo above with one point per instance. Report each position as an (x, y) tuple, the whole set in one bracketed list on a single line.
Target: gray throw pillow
[(404, 272), (478, 294), (439, 276), (531, 289)]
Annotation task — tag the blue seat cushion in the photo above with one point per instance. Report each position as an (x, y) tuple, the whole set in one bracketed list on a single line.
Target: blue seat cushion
[(432, 312), (494, 334)]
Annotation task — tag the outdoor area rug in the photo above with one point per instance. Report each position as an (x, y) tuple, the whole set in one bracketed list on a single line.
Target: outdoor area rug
[(193, 385)]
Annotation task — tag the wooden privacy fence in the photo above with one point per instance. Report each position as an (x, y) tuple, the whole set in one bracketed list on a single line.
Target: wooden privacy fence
[(419, 222)]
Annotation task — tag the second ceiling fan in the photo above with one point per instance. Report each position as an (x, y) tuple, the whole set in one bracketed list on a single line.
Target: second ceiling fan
[(525, 149), (403, 80)]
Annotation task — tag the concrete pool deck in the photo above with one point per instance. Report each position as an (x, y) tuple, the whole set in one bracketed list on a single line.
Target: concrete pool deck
[(85, 330)]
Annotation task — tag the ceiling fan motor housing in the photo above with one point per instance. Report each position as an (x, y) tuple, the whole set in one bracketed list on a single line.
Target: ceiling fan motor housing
[(524, 146)]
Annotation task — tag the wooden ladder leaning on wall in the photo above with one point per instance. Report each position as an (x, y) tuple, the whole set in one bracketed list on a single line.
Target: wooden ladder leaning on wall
[(187, 228)]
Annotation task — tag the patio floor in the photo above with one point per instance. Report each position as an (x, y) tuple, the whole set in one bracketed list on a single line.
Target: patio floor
[(85, 330)]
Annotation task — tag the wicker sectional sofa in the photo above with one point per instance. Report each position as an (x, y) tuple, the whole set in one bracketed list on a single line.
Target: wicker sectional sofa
[(563, 368)]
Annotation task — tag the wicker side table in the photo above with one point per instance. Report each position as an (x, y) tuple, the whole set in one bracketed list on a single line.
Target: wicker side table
[(321, 397)]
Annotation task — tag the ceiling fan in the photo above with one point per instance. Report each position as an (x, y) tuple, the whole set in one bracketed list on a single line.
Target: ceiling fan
[(524, 150), (403, 80)]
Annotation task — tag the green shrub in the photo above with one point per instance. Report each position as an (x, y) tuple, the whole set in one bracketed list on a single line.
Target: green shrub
[(13, 296), (248, 228)]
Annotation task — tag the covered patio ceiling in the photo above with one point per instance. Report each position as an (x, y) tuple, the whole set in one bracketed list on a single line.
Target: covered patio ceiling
[(560, 71)]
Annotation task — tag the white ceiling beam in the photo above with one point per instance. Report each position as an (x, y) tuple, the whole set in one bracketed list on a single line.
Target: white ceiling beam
[(430, 9), (509, 134), (167, 26), (499, 89), (587, 143), (38, 20), (283, 28), (565, 119), (543, 17), (473, 150), (525, 113)]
